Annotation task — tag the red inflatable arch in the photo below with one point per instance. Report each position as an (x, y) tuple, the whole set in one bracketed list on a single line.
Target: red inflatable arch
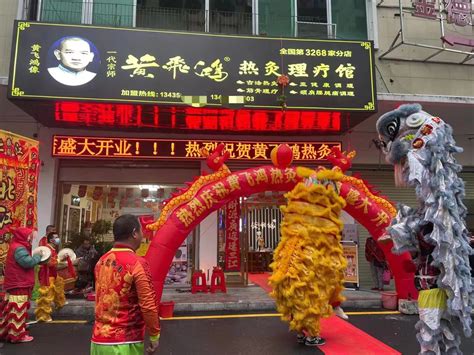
[(208, 193)]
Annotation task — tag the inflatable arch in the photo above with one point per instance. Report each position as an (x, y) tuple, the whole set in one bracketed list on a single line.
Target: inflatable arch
[(186, 209)]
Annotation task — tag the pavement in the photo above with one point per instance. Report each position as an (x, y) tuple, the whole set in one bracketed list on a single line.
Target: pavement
[(237, 299), (248, 334)]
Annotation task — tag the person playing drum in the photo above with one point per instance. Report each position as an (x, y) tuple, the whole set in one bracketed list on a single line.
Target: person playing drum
[(51, 285)]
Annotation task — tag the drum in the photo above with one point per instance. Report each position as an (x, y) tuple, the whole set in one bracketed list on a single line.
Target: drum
[(45, 251), (66, 252)]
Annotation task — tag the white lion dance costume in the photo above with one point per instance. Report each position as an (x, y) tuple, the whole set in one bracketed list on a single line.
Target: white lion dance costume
[(308, 267), (421, 148)]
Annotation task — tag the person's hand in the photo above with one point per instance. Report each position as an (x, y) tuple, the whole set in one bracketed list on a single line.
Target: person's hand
[(152, 347), (385, 239)]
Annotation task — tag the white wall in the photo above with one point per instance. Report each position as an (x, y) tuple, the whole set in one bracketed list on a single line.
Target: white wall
[(46, 183)]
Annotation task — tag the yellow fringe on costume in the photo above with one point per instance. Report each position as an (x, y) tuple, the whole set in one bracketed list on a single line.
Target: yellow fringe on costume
[(308, 267), (47, 295)]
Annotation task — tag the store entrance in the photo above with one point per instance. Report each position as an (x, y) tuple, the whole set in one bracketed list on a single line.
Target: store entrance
[(261, 219), (87, 211)]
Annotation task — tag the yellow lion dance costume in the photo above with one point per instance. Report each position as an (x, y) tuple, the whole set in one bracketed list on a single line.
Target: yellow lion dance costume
[(308, 267)]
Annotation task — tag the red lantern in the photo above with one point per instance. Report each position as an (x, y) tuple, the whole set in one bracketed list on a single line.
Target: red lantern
[(282, 156), (160, 193), (66, 188), (113, 191), (283, 80), (81, 192), (98, 192)]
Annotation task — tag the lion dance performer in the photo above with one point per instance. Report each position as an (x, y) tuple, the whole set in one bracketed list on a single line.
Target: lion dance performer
[(18, 284), (52, 285), (308, 267), (421, 148)]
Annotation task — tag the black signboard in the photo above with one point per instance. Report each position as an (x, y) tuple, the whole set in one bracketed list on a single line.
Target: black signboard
[(53, 61)]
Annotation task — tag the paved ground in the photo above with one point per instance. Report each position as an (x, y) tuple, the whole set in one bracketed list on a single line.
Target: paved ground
[(256, 335), (237, 299)]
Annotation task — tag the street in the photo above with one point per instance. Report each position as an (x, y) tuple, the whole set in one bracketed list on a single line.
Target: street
[(241, 334)]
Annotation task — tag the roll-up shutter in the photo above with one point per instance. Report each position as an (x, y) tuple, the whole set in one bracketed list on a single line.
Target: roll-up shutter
[(383, 181)]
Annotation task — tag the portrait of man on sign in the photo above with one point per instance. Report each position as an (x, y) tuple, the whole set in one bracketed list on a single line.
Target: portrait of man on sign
[(74, 54)]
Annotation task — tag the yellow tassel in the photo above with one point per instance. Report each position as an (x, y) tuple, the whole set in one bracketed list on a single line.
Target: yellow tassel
[(59, 297), (43, 304), (308, 267)]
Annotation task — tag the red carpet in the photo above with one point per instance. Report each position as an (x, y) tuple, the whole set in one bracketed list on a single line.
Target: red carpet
[(261, 280), (342, 338)]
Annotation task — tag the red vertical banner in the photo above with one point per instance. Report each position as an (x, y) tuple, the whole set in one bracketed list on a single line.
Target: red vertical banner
[(19, 168), (232, 236)]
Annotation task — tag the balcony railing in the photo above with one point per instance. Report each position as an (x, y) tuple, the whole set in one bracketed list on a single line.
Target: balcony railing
[(120, 15)]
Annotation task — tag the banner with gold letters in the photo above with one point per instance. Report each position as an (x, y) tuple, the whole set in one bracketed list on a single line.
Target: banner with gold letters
[(232, 236), (126, 65), (19, 168)]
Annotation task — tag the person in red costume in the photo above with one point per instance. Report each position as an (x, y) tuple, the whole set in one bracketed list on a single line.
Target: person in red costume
[(44, 241), (18, 284), (52, 285), (125, 297)]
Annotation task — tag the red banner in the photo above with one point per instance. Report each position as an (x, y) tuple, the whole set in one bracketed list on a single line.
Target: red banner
[(19, 168), (232, 236)]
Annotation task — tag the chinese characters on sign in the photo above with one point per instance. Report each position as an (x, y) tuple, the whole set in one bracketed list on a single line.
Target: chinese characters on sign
[(138, 148), (425, 8), (232, 236), (188, 214), (34, 59), (143, 67), (459, 12)]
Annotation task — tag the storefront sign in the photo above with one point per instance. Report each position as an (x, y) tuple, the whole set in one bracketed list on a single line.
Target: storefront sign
[(459, 12), (197, 69), (232, 236), (140, 148), (19, 168), (351, 274)]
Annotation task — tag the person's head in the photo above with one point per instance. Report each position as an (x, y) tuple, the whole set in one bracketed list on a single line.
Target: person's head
[(127, 230), (74, 53), (86, 243), (50, 228), (53, 238), (24, 236)]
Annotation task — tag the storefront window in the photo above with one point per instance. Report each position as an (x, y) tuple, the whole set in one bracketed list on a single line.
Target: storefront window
[(90, 210), (350, 18), (186, 15), (230, 16)]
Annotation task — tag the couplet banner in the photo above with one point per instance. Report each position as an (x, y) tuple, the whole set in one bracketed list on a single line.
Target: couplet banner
[(232, 236), (19, 169)]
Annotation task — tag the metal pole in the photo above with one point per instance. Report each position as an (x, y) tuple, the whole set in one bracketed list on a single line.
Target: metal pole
[(401, 20), (134, 16), (295, 4), (38, 13), (441, 22), (206, 16), (329, 19)]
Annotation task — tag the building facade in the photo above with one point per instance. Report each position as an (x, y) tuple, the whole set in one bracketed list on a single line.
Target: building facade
[(415, 66)]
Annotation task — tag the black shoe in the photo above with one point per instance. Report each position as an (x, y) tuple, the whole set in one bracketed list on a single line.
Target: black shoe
[(300, 338), (314, 341)]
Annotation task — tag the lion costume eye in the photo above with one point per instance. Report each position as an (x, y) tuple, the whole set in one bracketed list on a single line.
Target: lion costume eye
[(393, 127)]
